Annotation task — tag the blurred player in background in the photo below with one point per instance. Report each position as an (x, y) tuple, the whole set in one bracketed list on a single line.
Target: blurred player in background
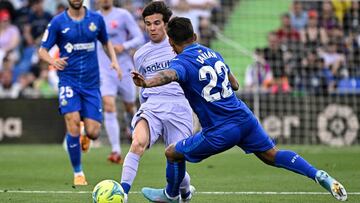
[(76, 31), (164, 110), (208, 85), (125, 35)]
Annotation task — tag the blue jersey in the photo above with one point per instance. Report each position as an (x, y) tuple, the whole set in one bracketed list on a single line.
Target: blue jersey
[(203, 75), (77, 41)]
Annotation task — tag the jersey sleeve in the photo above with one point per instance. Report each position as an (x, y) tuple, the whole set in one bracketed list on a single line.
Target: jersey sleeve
[(179, 68), (50, 35), (137, 37), (102, 36)]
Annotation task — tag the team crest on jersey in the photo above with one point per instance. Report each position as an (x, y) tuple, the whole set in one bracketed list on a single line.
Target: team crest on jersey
[(92, 27), (114, 24), (64, 102)]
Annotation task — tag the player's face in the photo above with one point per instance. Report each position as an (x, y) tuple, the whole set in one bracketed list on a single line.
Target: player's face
[(106, 4), (75, 4), (155, 27)]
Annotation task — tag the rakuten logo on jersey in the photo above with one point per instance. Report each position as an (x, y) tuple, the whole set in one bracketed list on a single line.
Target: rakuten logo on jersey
[(157, 66), (79, 47)]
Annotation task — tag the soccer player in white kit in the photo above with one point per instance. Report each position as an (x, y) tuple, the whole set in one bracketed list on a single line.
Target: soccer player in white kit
[(164, 110), (125, 35)]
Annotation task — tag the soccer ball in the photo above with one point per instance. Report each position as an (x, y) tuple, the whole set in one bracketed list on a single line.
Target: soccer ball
[(108, 191)]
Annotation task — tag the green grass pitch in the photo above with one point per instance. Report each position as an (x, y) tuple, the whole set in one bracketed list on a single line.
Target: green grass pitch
[(42, 173)]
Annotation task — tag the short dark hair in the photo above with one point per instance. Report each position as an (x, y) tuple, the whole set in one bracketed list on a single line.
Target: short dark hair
[(180, 29), (157, 7)]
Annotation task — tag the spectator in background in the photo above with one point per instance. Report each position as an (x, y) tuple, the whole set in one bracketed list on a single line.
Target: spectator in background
[(333, 59), (340, 7), (38, 20), (275, 58), (313, 36), (9, 37), (258, 75), (299, 17), (288, 37), (43, 85), (199, 12), (7, 88), (327, 18), (9, 6), (352, 18), (314, 76)]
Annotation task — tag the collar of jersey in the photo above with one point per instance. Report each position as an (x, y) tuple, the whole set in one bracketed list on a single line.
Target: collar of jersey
[(191, 46), (76, 21)]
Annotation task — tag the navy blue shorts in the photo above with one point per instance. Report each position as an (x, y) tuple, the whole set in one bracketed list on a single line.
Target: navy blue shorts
[(249, 136), (85, 101)]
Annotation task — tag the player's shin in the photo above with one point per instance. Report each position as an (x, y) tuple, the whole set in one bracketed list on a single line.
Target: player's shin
[(294, 162), (112, 130), (130, 167), (175, 173), (74, 150)]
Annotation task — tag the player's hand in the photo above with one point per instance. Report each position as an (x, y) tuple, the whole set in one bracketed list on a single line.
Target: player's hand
[(118, 70), (60, 63), (138, 79), (119, 48)]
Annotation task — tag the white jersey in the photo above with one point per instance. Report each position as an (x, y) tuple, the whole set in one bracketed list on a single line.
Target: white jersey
[(151, 58)]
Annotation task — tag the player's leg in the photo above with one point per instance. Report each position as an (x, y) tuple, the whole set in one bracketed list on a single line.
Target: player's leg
[(70, 105), (140, 142), (127, 91), (178, 125), (72, 121), (112, 128), (257, 141), (193, 149)]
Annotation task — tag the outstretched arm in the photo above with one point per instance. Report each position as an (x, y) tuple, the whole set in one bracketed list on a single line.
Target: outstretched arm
[(161, 78)]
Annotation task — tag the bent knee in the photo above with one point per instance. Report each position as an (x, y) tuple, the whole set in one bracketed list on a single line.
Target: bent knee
[(93, 133), (138, 147), (171, 154)]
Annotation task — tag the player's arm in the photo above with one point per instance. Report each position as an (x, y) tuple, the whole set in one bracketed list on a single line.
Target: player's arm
[(59, 64), (110, 52), (136, 36), (161, 78), (233, 81)]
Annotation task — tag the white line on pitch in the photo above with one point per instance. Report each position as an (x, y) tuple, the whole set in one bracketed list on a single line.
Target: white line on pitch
[(202, 193)]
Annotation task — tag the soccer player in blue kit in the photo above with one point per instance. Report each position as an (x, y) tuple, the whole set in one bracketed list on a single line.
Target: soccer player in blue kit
[(208, 85), (76, 31)]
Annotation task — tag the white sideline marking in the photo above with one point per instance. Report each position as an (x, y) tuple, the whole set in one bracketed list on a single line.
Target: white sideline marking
[(201, 193)]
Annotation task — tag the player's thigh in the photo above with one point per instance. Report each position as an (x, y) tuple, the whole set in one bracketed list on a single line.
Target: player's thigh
[(108, 86), (109, 103), (91, 105), (155, 126), (127, 89), (205, 144), (254, 138), (177, 123), (72, 122), (69, 99)]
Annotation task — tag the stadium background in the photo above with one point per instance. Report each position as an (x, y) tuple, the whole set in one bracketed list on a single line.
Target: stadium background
[(304, 87)]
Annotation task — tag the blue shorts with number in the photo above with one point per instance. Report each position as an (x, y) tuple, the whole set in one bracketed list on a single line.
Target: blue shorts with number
[(86, 101), (249, 136)]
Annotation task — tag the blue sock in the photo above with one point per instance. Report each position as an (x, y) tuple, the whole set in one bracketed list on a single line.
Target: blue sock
[(175, 172), (294, 162), (126, 187), (74, 150)]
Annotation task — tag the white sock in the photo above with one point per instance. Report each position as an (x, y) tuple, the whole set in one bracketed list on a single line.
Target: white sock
[(112, 130)]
